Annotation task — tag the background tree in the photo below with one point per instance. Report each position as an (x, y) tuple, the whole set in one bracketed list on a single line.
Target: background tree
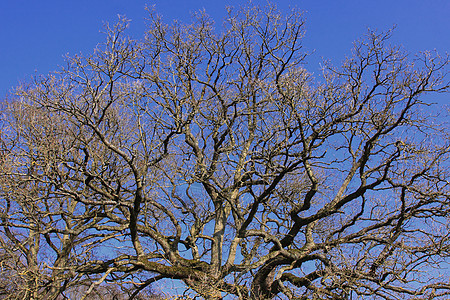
[(215, 158)]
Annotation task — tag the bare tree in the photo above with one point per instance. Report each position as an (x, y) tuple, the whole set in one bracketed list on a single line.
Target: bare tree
[(213, 157), (46, 234)]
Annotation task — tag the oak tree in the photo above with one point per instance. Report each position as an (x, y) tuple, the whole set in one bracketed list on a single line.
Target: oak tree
[(208, 154)]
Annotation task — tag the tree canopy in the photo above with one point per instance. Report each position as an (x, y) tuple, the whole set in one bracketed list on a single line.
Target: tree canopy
[(208, 154)]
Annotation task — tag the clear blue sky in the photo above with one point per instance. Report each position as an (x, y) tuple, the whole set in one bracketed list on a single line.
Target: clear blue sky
[(35, 35)]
